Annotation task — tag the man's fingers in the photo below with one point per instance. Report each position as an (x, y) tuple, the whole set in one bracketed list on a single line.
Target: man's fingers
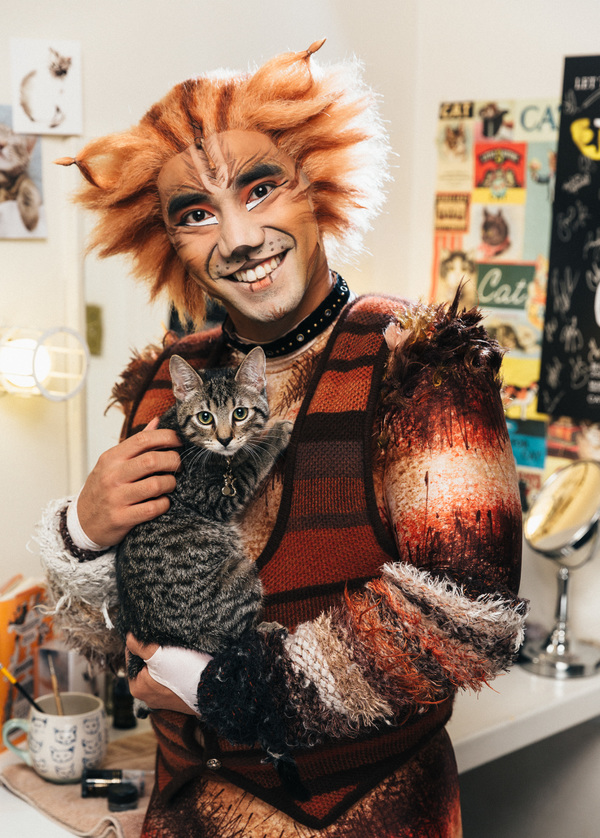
[(150, 462), (149, 439)]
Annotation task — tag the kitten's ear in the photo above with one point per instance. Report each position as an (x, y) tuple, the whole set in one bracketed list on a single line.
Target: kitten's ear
[(252, 370), (185, 379)]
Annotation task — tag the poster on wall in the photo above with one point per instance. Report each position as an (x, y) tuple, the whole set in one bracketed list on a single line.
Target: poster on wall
[(46, 86), (22, 212), (570, 369), (493, 210)]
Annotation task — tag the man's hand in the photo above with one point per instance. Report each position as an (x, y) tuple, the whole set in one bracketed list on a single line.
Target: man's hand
[(145, 688), (129, 485)]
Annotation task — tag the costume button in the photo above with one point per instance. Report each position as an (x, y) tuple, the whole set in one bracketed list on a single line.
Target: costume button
[(213, 764)]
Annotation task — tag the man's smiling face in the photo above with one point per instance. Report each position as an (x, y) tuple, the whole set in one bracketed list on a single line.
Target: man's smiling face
[(239, 215)]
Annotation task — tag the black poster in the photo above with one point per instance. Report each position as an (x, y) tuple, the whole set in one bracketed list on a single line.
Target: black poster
[(570, 370)]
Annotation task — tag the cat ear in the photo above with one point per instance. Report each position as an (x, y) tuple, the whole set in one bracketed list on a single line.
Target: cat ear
[(252, 370), (185, 378), (30, 141)]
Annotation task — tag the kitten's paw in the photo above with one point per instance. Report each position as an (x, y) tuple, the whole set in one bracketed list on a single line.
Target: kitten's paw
[(267, 628), (141, 709), (283, 431)]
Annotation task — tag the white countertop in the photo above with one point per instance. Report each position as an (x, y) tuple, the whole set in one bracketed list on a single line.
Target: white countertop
[(517, 710)]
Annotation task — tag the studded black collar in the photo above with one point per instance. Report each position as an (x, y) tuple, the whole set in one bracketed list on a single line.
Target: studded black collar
[(308, 329)]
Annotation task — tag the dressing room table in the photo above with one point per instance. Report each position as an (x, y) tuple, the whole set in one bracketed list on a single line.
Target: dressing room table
[(519, 709)]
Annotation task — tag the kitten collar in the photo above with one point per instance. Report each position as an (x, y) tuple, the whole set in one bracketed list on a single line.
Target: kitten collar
[(228, 489), (308, 329)]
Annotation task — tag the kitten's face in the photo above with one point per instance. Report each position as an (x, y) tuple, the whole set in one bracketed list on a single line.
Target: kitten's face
[(221, 410), (15, 150)]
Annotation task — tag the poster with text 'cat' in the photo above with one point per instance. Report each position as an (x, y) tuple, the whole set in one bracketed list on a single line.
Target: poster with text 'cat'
[(493, 208), (22, 211), (46, 86)]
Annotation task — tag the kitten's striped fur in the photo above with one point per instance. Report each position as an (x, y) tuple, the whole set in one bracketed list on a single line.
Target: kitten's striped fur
[(183, 578)]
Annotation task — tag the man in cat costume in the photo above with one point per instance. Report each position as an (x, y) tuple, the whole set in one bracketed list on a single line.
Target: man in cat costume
[(389, 540)]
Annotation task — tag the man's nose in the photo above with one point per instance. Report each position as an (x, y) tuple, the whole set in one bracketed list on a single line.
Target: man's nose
[(240, 232)]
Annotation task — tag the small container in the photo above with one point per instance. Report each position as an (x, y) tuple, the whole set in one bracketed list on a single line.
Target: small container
[(97, 782), (123, 715), (122, 796)]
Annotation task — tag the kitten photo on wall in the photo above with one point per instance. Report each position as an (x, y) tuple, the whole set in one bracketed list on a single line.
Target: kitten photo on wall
[(46, 86), (22, 212)]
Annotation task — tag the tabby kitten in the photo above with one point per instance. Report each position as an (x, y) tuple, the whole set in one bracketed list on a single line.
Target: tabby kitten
[(15, 183), (183, 579)]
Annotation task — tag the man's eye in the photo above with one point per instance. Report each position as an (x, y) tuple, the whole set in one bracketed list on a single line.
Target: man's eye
[(197, 218), (258, 194), (204, 417)]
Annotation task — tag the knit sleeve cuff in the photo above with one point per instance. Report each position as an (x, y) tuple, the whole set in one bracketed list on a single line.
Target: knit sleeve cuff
[(79, 552)]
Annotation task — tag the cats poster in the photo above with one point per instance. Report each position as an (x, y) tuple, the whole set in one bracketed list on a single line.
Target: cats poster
[(46, 86), (22, 212), (493, 208)]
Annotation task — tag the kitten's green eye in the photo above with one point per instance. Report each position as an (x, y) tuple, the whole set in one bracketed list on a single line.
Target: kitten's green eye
[(204, 417), (240, 413)]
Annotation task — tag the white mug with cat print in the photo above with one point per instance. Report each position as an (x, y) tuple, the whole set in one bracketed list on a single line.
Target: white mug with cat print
[(59, 748)]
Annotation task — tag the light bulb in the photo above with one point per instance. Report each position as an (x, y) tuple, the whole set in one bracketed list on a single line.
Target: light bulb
[(21, 365)]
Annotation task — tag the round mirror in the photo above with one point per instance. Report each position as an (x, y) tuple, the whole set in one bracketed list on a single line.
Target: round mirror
[(565, 514), (564, 518)]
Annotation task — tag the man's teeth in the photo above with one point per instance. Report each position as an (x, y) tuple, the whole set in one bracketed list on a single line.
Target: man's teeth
[(258, 272)]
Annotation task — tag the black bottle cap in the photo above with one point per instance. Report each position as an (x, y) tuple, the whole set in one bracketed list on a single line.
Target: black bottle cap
[(122, 796)]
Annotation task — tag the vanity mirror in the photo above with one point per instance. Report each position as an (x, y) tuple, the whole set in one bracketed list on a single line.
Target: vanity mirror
[(562, 525)]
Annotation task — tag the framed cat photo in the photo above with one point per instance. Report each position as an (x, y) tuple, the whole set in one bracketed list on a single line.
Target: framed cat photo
[(46, 86), (22, 211)]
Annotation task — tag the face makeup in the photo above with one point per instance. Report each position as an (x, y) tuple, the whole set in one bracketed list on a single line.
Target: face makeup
[(239, 214)]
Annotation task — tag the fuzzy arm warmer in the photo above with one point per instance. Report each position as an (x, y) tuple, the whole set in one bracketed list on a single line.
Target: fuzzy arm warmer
[(82, 594), (405, 642)]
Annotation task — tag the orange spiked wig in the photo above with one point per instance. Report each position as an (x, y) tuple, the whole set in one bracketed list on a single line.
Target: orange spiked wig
[(326, 119)]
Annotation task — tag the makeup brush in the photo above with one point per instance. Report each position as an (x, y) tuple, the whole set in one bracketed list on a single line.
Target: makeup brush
[(21, 689), (55, 690)]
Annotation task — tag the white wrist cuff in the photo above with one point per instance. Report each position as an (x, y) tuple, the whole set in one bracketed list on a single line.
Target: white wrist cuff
[(180, 671), (76, 532)]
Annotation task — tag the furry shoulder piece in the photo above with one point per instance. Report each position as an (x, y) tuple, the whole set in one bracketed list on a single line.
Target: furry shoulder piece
[(440, 353), (438, 342)]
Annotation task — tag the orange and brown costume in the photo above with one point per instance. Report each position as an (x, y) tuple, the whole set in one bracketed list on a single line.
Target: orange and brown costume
[(399, 459)]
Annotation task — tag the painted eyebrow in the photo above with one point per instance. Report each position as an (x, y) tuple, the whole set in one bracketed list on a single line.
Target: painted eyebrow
[(257, 172), (185, 200)]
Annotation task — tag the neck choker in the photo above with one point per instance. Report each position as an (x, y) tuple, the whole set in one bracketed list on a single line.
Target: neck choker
[(308, 329)]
